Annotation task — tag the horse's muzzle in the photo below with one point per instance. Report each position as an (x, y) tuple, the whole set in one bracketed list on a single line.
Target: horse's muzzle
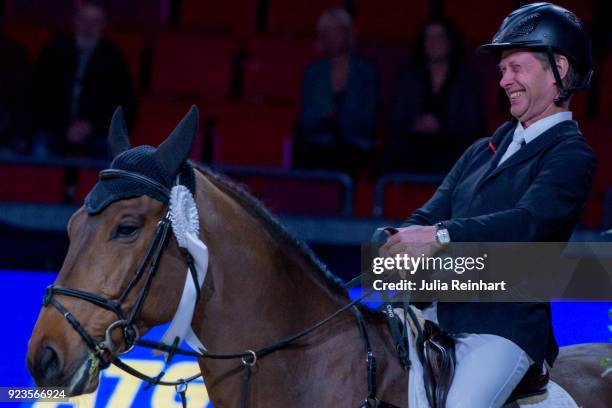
[(46, 367), (48, 371)]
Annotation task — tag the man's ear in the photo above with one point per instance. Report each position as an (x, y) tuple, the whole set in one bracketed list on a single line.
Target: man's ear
[(562, 66)]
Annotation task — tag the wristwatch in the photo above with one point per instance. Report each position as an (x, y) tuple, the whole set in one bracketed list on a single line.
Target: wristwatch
[(442, 235)]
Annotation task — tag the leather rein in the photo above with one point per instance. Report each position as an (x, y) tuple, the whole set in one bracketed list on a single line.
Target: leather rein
[(107, 353)]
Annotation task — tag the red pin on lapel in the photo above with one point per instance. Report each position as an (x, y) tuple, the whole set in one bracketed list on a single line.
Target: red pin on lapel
[(493, 148)]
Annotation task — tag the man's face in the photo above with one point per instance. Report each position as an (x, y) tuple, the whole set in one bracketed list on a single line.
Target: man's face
[(89, 23), (530, 88), (334, 39)]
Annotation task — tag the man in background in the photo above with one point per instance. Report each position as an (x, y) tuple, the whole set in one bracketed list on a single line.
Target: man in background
[(78, 81)]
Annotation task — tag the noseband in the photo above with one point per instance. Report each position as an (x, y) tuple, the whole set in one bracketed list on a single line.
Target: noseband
[(148, 266)]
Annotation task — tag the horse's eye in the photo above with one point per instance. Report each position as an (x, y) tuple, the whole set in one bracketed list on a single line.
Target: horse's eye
[(125, 231)]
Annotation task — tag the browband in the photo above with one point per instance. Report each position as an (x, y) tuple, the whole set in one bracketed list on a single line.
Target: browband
[(117, 173)]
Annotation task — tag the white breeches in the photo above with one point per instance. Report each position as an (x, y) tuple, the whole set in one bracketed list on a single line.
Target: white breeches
[(488, 368)]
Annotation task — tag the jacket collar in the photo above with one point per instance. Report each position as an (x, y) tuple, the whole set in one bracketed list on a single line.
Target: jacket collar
[(503, 137)]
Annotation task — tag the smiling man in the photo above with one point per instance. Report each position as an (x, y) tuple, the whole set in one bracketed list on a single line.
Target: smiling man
[(528, 182), (529, 83)]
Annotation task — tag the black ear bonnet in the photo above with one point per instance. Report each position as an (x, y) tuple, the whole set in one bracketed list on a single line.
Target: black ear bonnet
[(162, 164)]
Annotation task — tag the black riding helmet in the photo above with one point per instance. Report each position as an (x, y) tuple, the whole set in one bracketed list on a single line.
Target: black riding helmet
[(552, 29)]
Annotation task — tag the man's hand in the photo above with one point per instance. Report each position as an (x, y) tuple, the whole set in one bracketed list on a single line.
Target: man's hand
[(415, 240)]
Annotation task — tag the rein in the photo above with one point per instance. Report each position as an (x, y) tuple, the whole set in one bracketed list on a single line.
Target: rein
[(106, 353), (249, 358)]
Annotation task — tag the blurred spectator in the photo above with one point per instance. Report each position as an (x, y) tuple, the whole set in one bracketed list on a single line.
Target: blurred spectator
[(77, 83), (339, 102), (14, 75), (438, 109)]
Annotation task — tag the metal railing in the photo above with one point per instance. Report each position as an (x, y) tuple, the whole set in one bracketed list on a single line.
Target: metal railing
[(400, 178), (343, 180)]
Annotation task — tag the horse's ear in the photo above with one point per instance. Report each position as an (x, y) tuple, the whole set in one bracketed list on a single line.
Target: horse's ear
[(118, 140), (175, 149)]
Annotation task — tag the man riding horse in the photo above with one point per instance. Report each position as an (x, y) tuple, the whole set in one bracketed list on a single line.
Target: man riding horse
[(279, 328), (528, 182)]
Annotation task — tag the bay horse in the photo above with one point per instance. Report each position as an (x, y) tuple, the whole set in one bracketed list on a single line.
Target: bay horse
[(262, 285)]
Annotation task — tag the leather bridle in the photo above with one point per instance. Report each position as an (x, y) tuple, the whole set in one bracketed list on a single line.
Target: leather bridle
[(147, 268), (106, 352)]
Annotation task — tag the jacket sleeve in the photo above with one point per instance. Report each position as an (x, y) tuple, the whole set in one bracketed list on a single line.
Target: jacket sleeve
[(556, 196), (438, 208)]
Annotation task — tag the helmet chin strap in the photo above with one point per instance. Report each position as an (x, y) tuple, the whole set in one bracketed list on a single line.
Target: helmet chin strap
[(565, 93)]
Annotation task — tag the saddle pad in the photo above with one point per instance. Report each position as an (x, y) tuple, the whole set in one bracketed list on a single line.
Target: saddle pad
[(557, 396)]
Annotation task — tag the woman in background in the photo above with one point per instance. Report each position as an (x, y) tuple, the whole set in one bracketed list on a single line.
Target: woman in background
[(339, 102), (438, 109)]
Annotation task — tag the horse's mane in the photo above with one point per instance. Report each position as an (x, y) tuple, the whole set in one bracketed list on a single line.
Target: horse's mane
[(255, 208)]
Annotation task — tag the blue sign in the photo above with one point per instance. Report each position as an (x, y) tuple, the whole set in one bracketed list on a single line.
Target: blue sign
[(20, 303), (23, 292)]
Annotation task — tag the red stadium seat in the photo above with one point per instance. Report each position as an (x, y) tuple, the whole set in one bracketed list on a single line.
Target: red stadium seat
[(138, 13), (582, 8), (495, 102), (295, 195), (497, 107), (227, 16), (40, 12), (32, 37), (579, 105), (297, 17), (592, 216), (87, 179), (597, 134), (156, 119), (605, 95), (275, 68), (26, 183), (389, 61), (391, 19), (143, 13), (363, 205), (192, 65), (402, 199), (252, 134), (131, 44), (607, 210), (477, 20)]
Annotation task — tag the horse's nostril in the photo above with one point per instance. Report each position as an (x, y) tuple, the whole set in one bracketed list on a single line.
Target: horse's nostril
[(49, 363)]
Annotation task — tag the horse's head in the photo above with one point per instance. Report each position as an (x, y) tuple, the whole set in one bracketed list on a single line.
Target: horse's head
[(105, 294)]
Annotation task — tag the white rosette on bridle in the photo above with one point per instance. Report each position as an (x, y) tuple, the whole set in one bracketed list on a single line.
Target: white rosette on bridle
[(186, 227)]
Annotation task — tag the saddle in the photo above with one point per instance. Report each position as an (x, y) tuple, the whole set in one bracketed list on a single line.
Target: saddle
[(436, 351), (532, 388)]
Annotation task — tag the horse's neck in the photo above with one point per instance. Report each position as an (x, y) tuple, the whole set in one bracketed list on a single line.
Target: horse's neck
[(257, 290)]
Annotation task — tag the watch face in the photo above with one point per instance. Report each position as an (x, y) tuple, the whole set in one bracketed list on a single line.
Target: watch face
[(442, 236)]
